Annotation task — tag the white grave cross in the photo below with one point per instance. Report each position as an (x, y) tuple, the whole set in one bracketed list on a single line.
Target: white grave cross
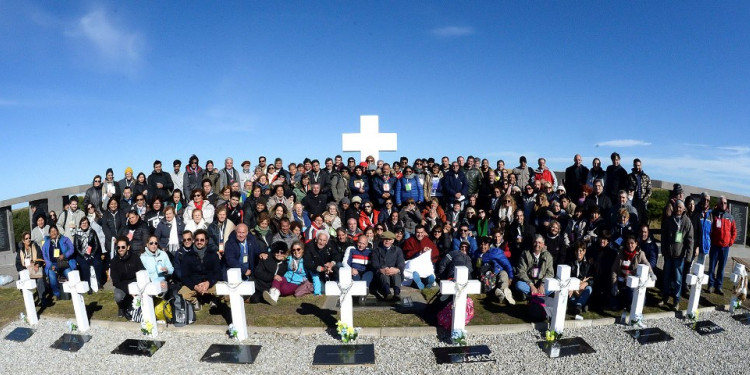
[(346, 289), (561, 285), (461, 289), (26, 285), (639, 283), (739, 278), (235, 288), (76, 288), (696, 279), (146, 290), (369, 140)]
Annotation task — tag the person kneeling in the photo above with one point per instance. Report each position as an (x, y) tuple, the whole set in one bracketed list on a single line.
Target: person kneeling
[(122, 270), (200, 271)]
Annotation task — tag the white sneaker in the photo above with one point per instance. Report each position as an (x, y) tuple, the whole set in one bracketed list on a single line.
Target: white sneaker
[(271, 296), (509, 296), (578, 317), (500, 295), (640, 324)]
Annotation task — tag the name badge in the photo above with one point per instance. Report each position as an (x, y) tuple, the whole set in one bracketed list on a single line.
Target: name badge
[(678, 237), (618, 241), (56, 253), (408, 186), (626, 263), (535, 272), (718, 223), (244, 259), (386, 187)]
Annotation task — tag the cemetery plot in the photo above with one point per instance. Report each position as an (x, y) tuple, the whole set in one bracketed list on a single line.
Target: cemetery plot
[(705, 327), (649, 335), (20, 334), (70, 342), (145, 348)]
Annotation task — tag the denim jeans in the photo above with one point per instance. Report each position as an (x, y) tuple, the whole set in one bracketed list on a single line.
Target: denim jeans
[(583, 299), (701, 257), (52, 275), (366, 276), (717, 260), (672, 278), (418, 280), (525, 288)]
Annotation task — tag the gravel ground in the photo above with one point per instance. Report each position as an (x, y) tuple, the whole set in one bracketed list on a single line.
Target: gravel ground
[(616, 352)]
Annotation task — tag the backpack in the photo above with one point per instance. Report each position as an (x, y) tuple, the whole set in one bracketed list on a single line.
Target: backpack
[(487, 278), (183, 312)]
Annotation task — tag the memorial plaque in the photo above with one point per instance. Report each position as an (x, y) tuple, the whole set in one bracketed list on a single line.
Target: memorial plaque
[(70, 342), (649, 335), (463, 354), (705, 327), (739, 211), (145, 348), (6, 242), (20, 334), (742, 318), (566, 347), (344, 355), (238, 354)]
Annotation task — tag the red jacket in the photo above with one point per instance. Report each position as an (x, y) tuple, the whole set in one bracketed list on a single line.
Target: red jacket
[(365, 221), (412, 248), (723, 229)]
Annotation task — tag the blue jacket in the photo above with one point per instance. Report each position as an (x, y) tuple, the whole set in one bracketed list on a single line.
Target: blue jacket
[(66, 248), (377, 187), (498, 260), (152, 262), (452, 184), (472, 245), (415, 191), (703, 231), (355, 193), (164, 228), (298, 276), (234, 258)]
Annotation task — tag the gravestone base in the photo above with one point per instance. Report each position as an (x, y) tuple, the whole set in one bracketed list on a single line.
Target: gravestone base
[(705, 327), (742, 318), (566, 347), (463, 354), (70, 342), (649, 335), (344, 355), (237, 354), (20, 334), (145, 348)]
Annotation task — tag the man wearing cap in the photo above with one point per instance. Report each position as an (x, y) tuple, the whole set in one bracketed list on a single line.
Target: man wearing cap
[(640, 184), (677, 194), (245, 174), (388, 262), (128, 181), (228, 175), (575, 177), (723, 235)]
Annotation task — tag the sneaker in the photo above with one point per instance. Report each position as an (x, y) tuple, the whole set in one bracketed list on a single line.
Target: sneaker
[(271, 296), (196, 306), (509, 296), (578, 317), (500, 295)]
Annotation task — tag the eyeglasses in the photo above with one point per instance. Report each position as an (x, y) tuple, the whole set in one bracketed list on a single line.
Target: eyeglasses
[(97, 180), (368, 206), (187, 240), (197, 196), (139, 199), (121, 247), (27, 238), (153, 243), (200, 240)]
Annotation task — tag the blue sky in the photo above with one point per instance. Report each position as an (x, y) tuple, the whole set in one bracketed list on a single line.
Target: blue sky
[(89, 85)]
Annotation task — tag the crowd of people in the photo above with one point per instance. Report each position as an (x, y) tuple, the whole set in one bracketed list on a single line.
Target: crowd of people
[(292, 228)]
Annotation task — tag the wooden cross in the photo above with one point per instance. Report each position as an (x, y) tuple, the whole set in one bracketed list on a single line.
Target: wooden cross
[(346, 289), (146, 289), (369, 140), (76, 288), (460, 288), (696, 279), (560, 285), (27, 285), (235, 288), (639, 283)]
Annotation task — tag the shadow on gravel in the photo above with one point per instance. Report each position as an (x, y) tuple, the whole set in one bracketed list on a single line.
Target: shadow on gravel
[(328, 317)]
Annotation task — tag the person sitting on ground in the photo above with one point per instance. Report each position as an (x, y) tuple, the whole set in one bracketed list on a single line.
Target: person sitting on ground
[(59, 258), (415, 246), (464, 235), (271, 269), (122, 271), (535, 265), (200, 271), (30, 258), (320, 261), (156, 262), (293, 281), (388, 261), (584, 271), (460, 257), (495, 271), (626, 264), (360, 264)]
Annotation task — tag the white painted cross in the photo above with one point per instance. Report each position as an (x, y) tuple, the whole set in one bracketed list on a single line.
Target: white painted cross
[(26, 285), (639, 283), (739, 278), (696, 279), (235, 288), (369, 140), (461, 289), (346, 289), (146, 289), (76, 288), (561, 285)]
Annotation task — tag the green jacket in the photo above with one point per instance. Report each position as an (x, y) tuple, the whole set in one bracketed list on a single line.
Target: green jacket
[(527, 264)]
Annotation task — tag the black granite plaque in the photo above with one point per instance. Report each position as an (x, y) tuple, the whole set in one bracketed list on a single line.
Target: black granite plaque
[(5, 236), (649, 335), (138, 347), (20, 334), (705, 327), (344, 355), (463, 354), (70, 342), (238, 354), (739, 212), (566, 347), (742, 318)]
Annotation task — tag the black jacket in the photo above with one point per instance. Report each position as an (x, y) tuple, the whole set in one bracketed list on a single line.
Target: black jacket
[(315, 204), (140, 234), (112, 223), (81, 247), (195, 271), (122, 270), (266, 270), (166, 180)]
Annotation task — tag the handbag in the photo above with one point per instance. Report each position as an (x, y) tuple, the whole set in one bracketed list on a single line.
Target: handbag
[(305, 288)]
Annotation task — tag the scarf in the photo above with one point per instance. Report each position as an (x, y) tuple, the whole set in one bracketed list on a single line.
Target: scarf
[(262, 232), (173, 232)]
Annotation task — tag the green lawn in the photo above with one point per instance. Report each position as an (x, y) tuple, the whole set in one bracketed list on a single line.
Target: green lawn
[(306, 311)]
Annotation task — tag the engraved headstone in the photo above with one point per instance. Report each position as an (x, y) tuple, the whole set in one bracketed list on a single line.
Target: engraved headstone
[(145, 348), (70, 342), (649, 335), (705, 327), (463, 354)]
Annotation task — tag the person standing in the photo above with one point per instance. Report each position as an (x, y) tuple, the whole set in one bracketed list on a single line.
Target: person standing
[(575, 177), (159, 183), (640, 184), (616, 177), (677, 249), (723, 235)]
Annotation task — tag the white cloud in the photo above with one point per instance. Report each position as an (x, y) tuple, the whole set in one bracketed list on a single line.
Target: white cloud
[(115, 44), (736, 150), (623, 143), (452, 31)]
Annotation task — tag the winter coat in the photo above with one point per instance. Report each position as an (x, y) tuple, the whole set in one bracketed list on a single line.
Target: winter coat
[(339, 186), (207, 209), (723, 229), (453, 183), (153, 262), (122, 270), (645, 186), (81, 245), (164, 229), (391, 257), (409, 187), (382, 185), (192, 180), (410, 219), (235, 258), (66, 248), (498, 261), (447, 266), (196, 271), (528, 263), (112, 222), (137, 233), (163, 178), (266, 270), (677, 238)]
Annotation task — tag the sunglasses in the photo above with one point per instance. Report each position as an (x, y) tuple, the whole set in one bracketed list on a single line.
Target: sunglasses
[(97, 180), (153, 243), (297, 249), (27, 238), (200, 240), (121, 247), (139, 199), (187, 240)]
